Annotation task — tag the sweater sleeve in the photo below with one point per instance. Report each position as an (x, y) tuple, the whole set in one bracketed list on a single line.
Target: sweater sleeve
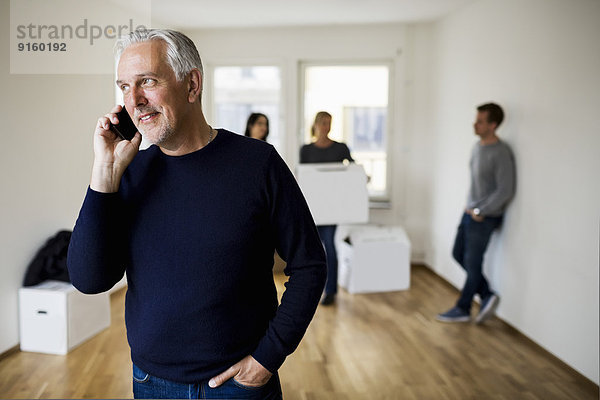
[(95, 259), (504, 175), (298, 243), (347, 151)]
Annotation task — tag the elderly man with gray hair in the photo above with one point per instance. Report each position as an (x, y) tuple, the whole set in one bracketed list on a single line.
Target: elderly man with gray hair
[(194, 220)]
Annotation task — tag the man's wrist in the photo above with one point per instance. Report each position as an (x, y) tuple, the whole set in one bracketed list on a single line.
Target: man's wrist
[(105, 179)]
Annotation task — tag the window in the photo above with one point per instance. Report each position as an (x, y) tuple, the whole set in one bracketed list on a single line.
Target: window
[(239, 91), (357, 98)]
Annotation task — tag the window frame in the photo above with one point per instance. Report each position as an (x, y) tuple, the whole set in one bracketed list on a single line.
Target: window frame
[(381, 201), (208, 99)]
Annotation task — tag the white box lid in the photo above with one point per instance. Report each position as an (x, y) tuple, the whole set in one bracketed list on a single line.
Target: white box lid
[(371, 233), (55, 286)]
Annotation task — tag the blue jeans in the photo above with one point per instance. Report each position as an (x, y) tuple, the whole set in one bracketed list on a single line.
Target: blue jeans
[(146, 386), (327, 233), (471, 242)]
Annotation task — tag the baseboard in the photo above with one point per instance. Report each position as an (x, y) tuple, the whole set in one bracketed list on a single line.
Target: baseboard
[(12, 350), (417, 258)]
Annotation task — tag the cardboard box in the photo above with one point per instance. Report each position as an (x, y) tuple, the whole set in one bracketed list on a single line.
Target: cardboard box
[(336, 193), (377, 259), (54, 317)]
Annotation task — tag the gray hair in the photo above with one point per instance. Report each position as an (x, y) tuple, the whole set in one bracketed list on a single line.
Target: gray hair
[(182, 54)]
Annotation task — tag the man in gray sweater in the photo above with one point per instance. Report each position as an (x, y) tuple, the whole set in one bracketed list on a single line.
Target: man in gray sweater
[(492, 187)]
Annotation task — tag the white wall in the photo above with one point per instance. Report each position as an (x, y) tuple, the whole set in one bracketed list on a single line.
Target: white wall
[(540, 59), (45, 162)]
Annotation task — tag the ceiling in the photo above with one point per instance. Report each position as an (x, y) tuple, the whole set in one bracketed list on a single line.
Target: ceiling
[(203, 14)]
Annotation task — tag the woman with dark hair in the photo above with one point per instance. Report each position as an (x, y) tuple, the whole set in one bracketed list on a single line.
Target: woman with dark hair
[(257, 126), (324, 150)]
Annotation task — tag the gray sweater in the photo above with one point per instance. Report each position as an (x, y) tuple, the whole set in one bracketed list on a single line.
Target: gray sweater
[(492, 178)]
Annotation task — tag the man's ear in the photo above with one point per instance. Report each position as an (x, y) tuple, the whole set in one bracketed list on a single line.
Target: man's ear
[(194, 85)]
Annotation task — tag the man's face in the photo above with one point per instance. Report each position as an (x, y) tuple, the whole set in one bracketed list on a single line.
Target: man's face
[(152, 95), (482, 127)]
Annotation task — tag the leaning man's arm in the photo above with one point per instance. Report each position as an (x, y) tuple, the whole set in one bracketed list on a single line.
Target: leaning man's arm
[(505, 178), (95, 259), (299, 245)]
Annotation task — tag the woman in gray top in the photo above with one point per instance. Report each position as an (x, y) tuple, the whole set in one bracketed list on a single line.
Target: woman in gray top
[(326, 150)]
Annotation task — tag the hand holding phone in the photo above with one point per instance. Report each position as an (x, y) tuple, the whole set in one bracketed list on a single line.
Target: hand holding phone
[(113, 155), (125, 129)]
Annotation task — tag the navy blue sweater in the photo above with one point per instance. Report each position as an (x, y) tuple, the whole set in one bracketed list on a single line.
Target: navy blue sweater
[(196, 235)]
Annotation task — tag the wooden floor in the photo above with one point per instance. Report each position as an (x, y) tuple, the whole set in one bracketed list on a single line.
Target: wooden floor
[(371, 346)]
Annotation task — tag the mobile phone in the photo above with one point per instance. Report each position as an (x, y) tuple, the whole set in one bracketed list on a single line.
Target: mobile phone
[(125, 129)]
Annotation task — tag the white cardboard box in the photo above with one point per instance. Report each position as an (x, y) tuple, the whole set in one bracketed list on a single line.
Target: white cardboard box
[(336, 193), (54, 317), (376, 260)]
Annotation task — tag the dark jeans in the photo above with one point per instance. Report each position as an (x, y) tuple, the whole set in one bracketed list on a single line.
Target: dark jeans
[(471, 242), (146, 386), (327, 233)]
